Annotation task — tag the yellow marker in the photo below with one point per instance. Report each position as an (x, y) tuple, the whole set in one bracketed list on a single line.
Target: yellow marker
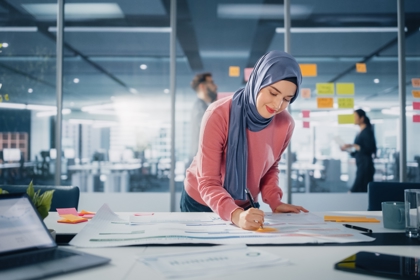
[(325, 88), (308, 70), (345, 103), (346, 119), (416, 93), (234, 71), (6, 97), (345, 88), (361, 68), (267, 229), (305, 93), (325, 102)]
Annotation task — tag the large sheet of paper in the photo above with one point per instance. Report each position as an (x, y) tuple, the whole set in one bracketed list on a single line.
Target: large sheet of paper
[(107, 229)]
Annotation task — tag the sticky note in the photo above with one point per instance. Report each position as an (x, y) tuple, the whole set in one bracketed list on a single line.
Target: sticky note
[(416, 105), (71, 219), (306, 125), (305, 93), (416, 118), (84, 212), (234, 71), (1, 98), (247, 73), (346, 119), (144, 214), (66, 211), (354, 219), (6, 97), (267, 229), (305, 113), (361, 68), (415, 82), (325, 102), (325, 88), (345, 88), (416, 93), (345, 103), (308, 70)]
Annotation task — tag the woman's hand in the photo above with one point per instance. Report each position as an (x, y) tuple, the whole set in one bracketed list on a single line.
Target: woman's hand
[(289, 208), (251, 219), (356, 147), (346, 146)]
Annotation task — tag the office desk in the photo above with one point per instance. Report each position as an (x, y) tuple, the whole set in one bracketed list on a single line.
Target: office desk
[(306, 262)]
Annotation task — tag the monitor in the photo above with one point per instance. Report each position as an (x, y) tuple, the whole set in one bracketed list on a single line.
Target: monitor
[(11, 155)]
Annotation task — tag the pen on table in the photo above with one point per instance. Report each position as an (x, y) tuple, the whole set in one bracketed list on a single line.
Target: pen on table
[(251, 201), (358, 228)]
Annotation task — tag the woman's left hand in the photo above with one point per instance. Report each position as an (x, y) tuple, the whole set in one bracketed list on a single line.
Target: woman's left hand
[(289, 208)]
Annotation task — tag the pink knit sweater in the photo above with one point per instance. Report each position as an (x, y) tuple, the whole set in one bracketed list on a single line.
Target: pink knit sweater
[(205, 176)]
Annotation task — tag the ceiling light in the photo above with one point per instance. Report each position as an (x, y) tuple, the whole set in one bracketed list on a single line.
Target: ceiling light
[(30, 90), (376, 81), (166, 91), (98, 107), (4, 45), (143, 67), (76, 80), (75, 11), (338, 29), (18, 29), (114, 29)]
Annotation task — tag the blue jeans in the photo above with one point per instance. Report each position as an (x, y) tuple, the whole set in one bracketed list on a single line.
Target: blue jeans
[(188, 204)]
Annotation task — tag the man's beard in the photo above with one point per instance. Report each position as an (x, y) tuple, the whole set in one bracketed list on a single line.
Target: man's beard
[(212, 95)]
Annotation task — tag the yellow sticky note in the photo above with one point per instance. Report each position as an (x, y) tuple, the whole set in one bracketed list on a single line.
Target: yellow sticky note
[(353, 219), (6, 97), (325, 88), (345, 103), (415, 82), (306, 93), (325, 102), (1, 98), (346, 119), (345, 88), (416, 93), (308, 70), (361, 68), (234, 71)]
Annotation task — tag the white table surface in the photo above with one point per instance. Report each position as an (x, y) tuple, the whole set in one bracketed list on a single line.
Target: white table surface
[(306, 262)]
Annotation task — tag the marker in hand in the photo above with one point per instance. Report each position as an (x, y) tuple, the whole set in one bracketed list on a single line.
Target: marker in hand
[(251, 201)]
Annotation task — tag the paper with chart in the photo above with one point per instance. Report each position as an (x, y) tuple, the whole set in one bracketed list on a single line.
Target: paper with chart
[(107, 229)]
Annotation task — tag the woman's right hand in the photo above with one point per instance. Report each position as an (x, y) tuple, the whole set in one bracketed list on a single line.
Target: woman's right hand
[(251, 219)]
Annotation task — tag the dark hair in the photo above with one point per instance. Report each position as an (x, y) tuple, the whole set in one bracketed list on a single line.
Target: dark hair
[(198, 79), (362, 113)]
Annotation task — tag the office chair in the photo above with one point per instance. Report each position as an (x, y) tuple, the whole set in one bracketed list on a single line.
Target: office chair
[(63, 197), (379, 192)]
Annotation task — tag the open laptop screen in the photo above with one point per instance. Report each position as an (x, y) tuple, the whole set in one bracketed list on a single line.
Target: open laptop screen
[(20, 226)]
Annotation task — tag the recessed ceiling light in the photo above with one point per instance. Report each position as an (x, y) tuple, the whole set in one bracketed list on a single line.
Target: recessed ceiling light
[(166, 90), (30, 90), (5, 45), (143, 67), (76, 80), (376, 81)]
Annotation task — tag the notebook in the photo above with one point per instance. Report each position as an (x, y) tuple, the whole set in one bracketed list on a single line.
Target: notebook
[(27, 250)]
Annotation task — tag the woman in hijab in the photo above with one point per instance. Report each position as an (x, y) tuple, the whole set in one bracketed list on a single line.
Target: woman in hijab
[(241, 141), (364, 150)]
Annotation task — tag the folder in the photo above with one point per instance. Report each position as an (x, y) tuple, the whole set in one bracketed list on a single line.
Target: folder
[(350, 219)]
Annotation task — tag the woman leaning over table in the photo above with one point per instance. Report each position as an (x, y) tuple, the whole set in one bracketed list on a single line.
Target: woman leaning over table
[(241, 141)]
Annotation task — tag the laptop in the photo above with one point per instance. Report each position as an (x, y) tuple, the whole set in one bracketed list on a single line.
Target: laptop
[(27, 250)]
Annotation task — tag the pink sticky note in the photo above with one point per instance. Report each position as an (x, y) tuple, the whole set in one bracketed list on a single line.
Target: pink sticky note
[(67, 211), (306, 124), (247, 73), (306, 93), (305, 113), (416, 118), (144, 214), (416, 105)]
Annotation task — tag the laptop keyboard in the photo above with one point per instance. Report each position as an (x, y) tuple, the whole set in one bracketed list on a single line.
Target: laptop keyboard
[(33, 258)]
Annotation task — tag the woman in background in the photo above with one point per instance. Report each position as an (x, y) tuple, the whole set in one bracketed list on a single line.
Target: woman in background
[(364, 150)]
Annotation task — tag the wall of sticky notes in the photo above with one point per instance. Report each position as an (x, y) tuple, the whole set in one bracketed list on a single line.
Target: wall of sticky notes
[(345, 103), (325, 102), (345, 88), (325, 88), (361, 68), (308, 70), (346, 119), (234, 71)]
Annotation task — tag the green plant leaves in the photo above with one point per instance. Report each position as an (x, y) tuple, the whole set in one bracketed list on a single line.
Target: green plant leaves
[(42, 202), (3, 191)]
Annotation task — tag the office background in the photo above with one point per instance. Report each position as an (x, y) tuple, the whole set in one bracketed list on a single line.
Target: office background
[(116, 117)]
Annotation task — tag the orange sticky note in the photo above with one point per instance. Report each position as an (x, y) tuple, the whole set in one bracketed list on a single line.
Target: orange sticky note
[(415, 82), (416, 93), (84, 212), (361, 68), (234, 71), (306, 93), (325, 102), (416, 118), (71, 219), (267, 229), (308, 70), (352, 219), (247, 73)]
